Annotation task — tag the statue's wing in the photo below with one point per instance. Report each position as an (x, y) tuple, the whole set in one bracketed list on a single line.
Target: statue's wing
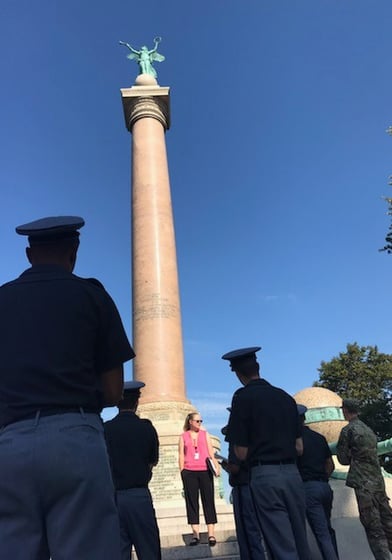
[(132, 56), (158, 57)]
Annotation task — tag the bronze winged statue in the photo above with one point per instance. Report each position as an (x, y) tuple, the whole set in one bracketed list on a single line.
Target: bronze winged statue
[(145, 57)]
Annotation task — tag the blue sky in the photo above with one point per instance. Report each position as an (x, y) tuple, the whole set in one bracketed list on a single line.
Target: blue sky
[(278, 159)]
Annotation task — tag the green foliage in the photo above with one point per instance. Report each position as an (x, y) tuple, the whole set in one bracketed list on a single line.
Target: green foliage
[(377, 415), (363, 373), (388, 238)]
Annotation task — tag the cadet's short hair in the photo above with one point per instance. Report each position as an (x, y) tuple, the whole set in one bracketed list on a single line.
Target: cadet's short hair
[(129, 400), (351, 405)]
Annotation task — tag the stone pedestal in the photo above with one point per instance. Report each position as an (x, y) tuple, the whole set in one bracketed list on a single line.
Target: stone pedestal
[(166, 485)]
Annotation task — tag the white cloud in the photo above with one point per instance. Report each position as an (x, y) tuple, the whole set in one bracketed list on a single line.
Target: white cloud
[(291, 298), (213, 404), (269, 298)]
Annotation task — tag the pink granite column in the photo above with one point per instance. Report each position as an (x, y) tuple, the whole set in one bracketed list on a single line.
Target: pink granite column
[(157, 334)]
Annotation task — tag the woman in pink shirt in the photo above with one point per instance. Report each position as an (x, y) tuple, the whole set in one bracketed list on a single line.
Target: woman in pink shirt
[(194, 449)]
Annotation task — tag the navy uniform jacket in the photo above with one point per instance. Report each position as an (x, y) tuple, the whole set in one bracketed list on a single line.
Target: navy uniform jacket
[(265, 419), (133, 448), (311, 464), (58, 334)]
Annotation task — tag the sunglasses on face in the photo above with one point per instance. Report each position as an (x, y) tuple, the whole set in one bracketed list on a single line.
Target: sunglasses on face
[(198, 421)]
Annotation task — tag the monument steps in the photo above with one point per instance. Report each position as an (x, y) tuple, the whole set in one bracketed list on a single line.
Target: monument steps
[(178, 524), (181, 537), (175, 531), (221, 551), (173, 554)]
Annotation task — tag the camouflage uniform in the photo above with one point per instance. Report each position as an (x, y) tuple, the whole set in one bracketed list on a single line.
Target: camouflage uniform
[(357, 447)]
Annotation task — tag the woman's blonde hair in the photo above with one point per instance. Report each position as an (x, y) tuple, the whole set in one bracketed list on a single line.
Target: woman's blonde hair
[(188, 418)]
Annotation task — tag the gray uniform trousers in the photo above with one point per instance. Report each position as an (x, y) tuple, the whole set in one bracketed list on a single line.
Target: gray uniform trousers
[(279, 500), (56, 490), (249, 536), (138, 524), (319, 498)]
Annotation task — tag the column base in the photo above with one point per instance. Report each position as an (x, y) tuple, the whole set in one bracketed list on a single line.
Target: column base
[(168, 419)]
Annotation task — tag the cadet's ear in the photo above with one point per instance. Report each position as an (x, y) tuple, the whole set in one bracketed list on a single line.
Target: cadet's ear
[(28, 254), (72, 257)]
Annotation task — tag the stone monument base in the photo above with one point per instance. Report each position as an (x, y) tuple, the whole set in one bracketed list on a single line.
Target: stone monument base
[(166, 485), (168, 419)]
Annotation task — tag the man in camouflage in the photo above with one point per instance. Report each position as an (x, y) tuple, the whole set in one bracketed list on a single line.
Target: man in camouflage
[(357, 447)]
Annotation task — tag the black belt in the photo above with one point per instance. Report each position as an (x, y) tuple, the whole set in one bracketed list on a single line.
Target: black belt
[(50, 412), (281, 462)]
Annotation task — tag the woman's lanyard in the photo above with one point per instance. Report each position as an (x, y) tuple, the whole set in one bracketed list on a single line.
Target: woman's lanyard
[(196, 455)]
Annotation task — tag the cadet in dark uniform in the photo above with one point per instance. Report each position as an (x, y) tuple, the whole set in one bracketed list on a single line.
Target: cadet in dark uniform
[(62, 352), (264, 430), (315, 466), (249, 537), (134, 450)]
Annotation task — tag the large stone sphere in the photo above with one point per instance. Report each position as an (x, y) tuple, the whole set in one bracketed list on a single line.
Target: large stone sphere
[(324, 414)]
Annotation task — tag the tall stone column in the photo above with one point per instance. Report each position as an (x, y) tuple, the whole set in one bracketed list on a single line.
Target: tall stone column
[(157, 334)]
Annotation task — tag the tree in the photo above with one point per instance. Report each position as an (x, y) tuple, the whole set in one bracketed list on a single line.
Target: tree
[(363, 373), (388, 238)]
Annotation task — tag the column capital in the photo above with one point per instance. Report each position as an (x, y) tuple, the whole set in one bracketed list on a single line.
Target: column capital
[(146, 101)]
